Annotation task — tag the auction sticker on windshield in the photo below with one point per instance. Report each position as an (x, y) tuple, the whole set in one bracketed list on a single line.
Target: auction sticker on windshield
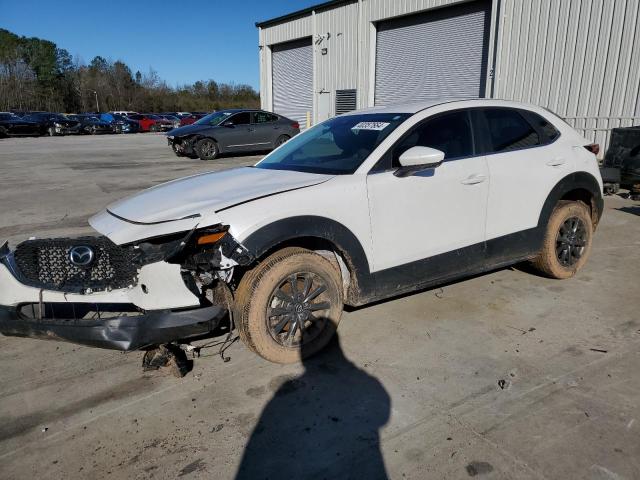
[(370, 126)]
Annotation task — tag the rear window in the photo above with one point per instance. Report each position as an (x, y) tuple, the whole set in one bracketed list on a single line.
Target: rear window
[(508, 130), (547, 131), (264, 117)]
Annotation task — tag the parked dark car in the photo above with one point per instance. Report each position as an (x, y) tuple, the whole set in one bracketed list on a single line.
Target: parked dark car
[(231, 131), (54, 123), (120, 123), (91, 124), (12, 125)]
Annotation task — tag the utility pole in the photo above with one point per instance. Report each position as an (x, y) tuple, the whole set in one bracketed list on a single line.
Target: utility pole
[(97, 104)]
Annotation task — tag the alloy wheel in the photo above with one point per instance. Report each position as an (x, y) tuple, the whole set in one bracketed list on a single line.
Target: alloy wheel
[(295, 308), (208, 149), (571, 241)]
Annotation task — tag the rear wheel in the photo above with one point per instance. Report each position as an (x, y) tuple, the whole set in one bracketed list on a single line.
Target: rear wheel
[(281, 139), (567, 241), (289, 306), (207, 149)]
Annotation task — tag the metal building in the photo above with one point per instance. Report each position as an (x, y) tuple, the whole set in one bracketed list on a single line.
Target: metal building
[(579, 58)]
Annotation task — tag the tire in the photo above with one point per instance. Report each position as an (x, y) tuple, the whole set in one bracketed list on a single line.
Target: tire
[(281, 139), (153, 128), (51, 131), (267, 287), (3, 132), (567, 241), (206, 149)]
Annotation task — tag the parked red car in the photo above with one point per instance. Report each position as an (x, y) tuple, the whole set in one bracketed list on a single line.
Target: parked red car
[(151, 123), (189, 119)]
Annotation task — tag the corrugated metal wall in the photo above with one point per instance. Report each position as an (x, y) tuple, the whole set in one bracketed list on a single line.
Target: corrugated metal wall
[(580, 58)]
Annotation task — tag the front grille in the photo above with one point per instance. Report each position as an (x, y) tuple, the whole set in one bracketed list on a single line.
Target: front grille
[(46, 264)]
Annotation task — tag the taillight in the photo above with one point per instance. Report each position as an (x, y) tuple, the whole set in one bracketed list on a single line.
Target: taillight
[(593, 148), (296, 125)]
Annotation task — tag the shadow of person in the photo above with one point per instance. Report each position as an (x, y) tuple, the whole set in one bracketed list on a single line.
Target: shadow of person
[(322, 424)]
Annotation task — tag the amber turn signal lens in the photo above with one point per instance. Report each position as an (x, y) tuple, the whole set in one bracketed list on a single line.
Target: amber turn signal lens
[(210, 238)]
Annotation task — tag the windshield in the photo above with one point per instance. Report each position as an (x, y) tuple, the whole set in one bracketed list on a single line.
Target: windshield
[(337, 146), (214, 118)]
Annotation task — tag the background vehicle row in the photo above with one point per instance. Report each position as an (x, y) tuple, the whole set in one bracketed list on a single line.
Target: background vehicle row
[(24, 123)]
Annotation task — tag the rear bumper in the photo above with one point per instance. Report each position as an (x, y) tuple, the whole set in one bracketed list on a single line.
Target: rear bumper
[(117, 333)]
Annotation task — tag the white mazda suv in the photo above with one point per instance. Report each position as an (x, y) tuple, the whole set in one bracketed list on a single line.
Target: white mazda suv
[(364, 206)]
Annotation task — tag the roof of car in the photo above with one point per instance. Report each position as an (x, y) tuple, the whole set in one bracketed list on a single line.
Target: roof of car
[(414, 107)]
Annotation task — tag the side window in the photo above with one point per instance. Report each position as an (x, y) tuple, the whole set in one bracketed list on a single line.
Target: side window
[(548, 132), (509, 130), (264, 117), (243, 118), (449, 132)]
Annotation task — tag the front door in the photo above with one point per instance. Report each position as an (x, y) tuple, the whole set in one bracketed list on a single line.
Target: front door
[(238, 133), (422, 224)]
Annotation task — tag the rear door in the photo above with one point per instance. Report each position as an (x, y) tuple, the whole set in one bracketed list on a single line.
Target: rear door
[(266, 129), (525, 162)]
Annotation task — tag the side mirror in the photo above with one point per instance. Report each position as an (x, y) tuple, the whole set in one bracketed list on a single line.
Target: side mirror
[(419, 158)]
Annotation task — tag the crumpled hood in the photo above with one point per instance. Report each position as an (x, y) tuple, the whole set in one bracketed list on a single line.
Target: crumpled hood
[(207, 193)]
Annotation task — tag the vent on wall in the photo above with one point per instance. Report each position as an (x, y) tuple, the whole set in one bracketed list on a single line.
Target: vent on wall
[(345, 101)]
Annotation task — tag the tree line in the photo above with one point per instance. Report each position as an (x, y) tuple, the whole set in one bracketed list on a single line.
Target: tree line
[(37, 75)]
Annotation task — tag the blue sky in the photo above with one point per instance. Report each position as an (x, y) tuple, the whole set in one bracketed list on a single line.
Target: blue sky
[(183, 40)]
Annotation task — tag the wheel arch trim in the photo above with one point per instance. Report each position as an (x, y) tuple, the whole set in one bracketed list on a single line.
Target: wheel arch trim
[(573, 181), (347, 244)]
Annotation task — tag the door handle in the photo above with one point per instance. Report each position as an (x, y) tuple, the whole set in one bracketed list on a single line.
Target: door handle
[(474, 179), (556, 162)]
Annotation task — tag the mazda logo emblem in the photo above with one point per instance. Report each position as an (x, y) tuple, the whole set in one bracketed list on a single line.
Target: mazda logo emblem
[(81, 256)]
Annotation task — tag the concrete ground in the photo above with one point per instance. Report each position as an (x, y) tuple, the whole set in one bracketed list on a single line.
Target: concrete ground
[(506, 375)]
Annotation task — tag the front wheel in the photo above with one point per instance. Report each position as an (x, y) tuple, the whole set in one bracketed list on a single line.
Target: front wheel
[(207, 149), (567, 241), (51, 131), (289, 306)]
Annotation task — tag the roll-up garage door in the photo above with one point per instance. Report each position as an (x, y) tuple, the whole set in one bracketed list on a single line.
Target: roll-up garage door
[(292, 69), (437, 54)]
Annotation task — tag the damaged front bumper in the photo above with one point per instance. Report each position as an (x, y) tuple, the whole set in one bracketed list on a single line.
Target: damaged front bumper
[(119, 332), (156, 307), (182, 145)]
